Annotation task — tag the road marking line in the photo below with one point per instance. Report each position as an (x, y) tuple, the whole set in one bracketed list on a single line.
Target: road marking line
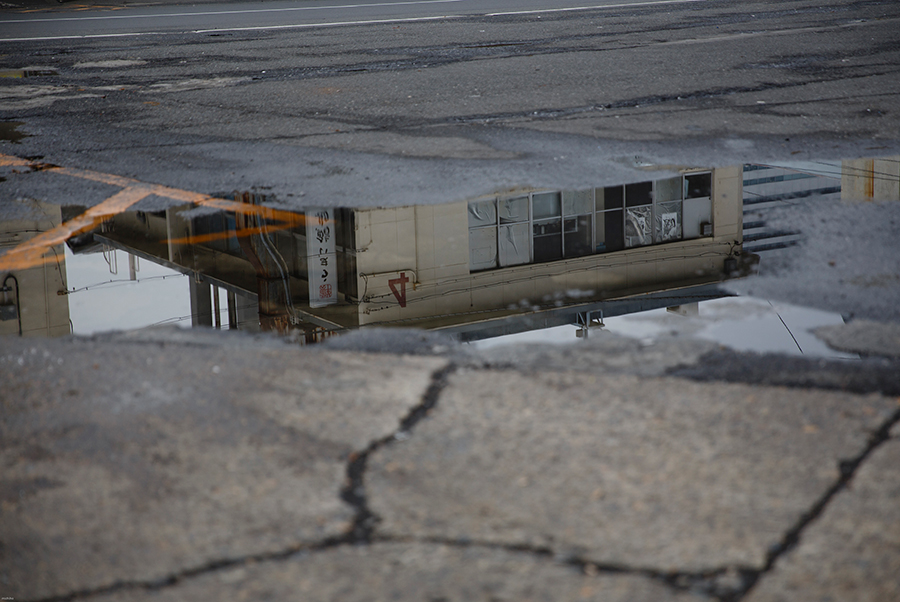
[(89, 36), (229, 29), (331, 24), (345, 23), (230, 12), (597, 7)]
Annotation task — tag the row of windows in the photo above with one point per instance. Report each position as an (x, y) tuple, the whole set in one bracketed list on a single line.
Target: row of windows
[(547, 226)]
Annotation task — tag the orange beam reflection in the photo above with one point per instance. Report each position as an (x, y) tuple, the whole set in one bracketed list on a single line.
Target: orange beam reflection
[(196, 239), (31, 253)]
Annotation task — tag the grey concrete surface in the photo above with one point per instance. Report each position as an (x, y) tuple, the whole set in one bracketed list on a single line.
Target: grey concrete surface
[(187, 465), (852, 552), (867, 336), (132, 462), (619, 470)]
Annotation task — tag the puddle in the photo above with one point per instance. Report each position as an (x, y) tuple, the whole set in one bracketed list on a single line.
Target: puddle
[(643, 259), (9, 131), (739, 323)]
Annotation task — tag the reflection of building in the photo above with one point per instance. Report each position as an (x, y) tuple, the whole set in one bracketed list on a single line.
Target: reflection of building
[(31, 303), (871, 179), (460, 266), (767, 187)]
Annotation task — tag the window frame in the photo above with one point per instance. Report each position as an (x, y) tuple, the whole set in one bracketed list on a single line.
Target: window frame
[(655, 204)]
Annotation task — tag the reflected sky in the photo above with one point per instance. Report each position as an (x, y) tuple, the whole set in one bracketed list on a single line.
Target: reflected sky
[(100, 301)]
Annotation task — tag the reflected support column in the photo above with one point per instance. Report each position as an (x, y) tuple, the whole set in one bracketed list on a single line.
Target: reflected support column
[(201, 303)]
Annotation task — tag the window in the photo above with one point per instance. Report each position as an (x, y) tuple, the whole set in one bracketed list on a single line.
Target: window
[(667, 225), (638, 214), (610, 219), (548, 226), (513, 244), (482, 235), (697, 186), (697, 207), (578, 226)]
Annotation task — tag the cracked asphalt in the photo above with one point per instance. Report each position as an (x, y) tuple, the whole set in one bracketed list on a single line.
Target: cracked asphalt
[(241, 467)]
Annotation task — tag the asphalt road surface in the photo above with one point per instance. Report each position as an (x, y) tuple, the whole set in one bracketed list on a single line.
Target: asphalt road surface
[(33, 23), (442, 109)]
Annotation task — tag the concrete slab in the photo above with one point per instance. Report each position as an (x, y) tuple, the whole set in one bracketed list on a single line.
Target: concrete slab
[(865, 337), (852, 551), (131, 462), (411, 572), (641, 472)]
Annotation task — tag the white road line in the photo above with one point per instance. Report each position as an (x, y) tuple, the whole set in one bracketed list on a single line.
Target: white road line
[(332, 24), (597, 7), (227, 12), (229, 29), (90, 36), (345, 23)]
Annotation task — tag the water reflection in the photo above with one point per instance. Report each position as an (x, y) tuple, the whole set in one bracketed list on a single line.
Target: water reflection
[(494, 265), (466, 267)]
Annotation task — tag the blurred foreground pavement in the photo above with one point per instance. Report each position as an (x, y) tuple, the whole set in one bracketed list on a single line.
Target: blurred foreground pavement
[(395, 465)]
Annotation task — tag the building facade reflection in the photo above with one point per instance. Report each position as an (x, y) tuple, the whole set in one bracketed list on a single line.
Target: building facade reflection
[(32, 300), (464, 267)]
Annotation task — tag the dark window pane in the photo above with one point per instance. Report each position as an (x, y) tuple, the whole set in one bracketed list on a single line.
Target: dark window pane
[(638, 194), (548, 240), (610, 232), (698, 186), (549, 227), (613, 197), (577, 236)]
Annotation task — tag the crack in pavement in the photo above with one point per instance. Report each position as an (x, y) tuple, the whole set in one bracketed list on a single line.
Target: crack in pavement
[(724, 584), (354, 492), (848, 469), (704, 582)]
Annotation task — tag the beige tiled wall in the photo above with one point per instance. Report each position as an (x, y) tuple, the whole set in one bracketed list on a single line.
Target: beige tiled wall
[(871, 179), (43, 312), (727, 202), (433, 241)]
